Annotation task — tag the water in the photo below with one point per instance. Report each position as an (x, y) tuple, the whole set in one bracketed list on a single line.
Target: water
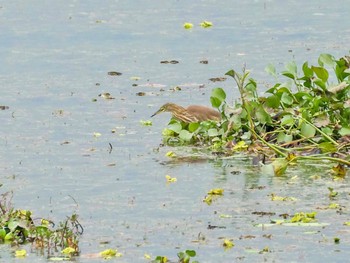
[(54, 62)]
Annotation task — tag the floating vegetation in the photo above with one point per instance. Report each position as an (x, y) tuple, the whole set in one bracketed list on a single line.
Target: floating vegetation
[(18, 227), (206, 24), (188, 25), (305, 117), (146, 123)]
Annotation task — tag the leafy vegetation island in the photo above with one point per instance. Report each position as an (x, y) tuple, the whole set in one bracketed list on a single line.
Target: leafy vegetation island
[(306, 117)]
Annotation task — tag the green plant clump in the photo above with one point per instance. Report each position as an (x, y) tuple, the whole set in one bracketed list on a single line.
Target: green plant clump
[(308, 113), (17, 227)]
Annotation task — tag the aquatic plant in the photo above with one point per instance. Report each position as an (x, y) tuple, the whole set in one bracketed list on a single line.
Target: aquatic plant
[(307, 116), (18, 227)]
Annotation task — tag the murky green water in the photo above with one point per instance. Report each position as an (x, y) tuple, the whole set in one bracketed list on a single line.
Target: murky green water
[(56, 56)]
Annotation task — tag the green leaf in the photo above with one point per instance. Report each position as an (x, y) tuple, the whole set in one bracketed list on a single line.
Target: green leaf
[(344, 131), (288, 74), (185, 135), (320, 83), (262, 116), (175, 127), (9, 236), (287, 120), (213, 132), (191, 253), (12, 225), (2, 233), (273, 101), (192, 127), (291, 70), (215, 102), (217, 97), (326, 59), (231, 73), (286, 98), (282, 137), (321, 73), (307, 130), (270, 69), (218, 93), (307, 70)]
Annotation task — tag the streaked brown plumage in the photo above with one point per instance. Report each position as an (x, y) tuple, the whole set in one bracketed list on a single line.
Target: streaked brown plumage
[(193, 113)]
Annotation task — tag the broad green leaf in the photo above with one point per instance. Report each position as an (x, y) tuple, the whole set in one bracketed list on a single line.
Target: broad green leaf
[(9, 236), (185, 135), (167, 132), (320, 83), (288, 74), (215, 102), (326, 59), (307, 130), (262, 116), (175, 127), (303, 97), (12, 225), (273, 101), (327, 131), (231, 73), (344, 131), (218, 93), (286, 98), (307, 70), (270, 69), (287, 120), (213, 132), (321, 73), (273, 89), (282, 137), (192, 127), (191, 253), (2, 233), (291, 70)]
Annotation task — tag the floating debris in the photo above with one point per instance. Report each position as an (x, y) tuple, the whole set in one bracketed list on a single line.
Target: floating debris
[(169, 62), (217, 79), (106, 96), (114, 73)]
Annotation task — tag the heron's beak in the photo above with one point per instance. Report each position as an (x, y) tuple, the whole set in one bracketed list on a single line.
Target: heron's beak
[(157, 112)]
